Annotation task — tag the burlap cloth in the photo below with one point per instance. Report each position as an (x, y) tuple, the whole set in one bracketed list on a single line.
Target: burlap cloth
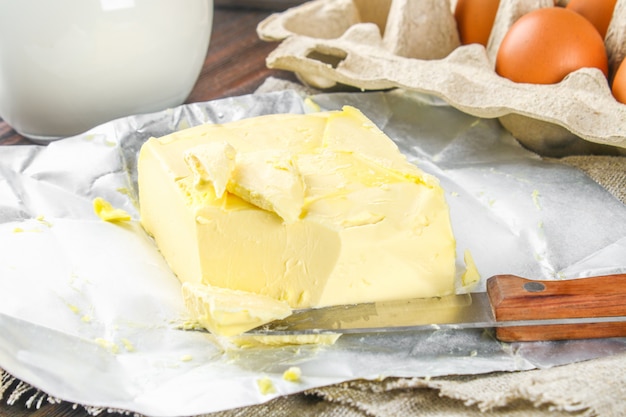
[(592, 388)]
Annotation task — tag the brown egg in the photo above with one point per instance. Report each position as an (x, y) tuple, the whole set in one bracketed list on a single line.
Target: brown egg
[(474, 20), (545, 45), (619, 83), (598, 12)]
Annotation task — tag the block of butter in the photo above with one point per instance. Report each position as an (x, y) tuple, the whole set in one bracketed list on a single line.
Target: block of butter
[(309, 209)]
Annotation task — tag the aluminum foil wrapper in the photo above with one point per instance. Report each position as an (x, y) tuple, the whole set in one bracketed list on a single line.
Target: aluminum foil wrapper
[(90, 312)]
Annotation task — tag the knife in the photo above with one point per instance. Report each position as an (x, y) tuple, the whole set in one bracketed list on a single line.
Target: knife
[(519, 309)]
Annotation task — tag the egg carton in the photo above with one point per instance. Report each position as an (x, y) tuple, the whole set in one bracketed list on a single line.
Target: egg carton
[(414, 45)]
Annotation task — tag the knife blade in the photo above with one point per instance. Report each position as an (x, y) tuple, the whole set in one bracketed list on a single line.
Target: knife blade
[(519, 309)]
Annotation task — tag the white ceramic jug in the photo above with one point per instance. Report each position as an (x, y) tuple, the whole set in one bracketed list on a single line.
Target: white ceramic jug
[(69, 65)]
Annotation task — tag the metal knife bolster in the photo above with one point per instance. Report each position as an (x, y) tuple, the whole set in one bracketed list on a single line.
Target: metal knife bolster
[(585, 306)]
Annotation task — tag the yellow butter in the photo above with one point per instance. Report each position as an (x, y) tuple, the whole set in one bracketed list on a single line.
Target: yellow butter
[(271, 181), (107, 212), (330, 211), (292, 374), (213, 162), (247, 341), (266, 386), (228, 312)]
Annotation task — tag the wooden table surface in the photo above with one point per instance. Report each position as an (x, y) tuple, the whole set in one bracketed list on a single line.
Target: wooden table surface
[(235, 65)]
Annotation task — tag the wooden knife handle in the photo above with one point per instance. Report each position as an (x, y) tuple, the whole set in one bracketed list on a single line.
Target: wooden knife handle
[(516, 298)]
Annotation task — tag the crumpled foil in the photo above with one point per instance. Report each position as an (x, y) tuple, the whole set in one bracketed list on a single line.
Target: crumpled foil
[(90, 312)]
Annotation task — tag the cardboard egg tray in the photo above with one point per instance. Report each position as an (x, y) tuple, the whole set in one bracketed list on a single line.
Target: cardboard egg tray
[(414, 45)]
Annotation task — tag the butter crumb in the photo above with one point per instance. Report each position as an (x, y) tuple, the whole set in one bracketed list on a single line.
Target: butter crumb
[(107, 212), (128, 345), (471, 276), (190, 324), (292, 374), (308, 101), (183, 124), (108, 345), (536, 199), (266, 386), (33, 230), (41, 219), (128, 193), (86, 318), (186, 358)]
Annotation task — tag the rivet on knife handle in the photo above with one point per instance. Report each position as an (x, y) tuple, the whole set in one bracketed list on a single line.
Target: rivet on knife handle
[(514, 298)]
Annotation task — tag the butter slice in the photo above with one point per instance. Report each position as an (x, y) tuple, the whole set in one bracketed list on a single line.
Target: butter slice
[(227, 312), (269, 180), (335, 213), (212, 163)]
